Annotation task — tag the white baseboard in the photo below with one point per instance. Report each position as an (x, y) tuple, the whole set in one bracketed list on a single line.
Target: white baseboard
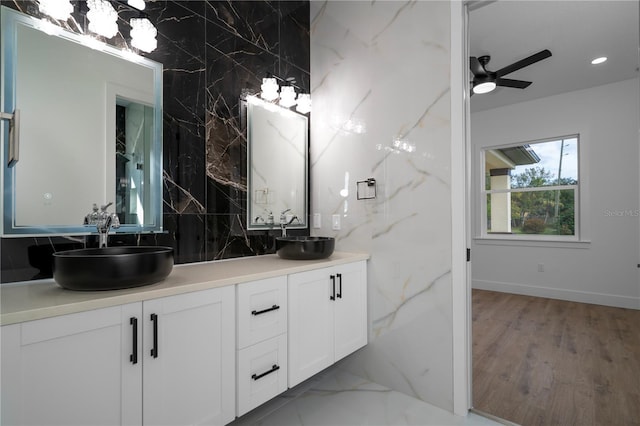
[(561, 294)]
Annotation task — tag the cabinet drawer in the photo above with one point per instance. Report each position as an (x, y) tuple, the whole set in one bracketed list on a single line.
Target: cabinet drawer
[(262, 372), (262, 310)]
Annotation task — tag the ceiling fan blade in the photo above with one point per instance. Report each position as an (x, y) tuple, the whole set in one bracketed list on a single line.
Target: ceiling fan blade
[(476, 68), (544, 54), (507, 82)]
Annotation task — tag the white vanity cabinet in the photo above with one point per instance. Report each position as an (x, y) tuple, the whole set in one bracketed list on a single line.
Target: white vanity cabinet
[(189, 358), (262, 341), (327, 317), (163, 361), (72, 370)]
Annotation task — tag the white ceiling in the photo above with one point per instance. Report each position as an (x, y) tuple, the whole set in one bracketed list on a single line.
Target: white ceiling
[(574, 31)]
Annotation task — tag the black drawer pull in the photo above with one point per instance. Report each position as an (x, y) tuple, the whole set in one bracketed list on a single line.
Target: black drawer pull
[(133, 358), (333, 286), (154, 350), (339, 295), (264, 311), (260, 376)]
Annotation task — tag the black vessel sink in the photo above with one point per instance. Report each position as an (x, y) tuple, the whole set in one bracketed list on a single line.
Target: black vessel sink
[(305, 248), (111, 268)]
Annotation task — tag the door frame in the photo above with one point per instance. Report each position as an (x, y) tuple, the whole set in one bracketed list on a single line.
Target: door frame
[(460, 210)]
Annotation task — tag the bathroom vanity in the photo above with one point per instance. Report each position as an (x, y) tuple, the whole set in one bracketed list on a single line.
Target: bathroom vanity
[(211, 342)]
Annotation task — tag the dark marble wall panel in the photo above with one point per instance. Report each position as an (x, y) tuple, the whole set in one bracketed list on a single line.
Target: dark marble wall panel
[(212, 52)]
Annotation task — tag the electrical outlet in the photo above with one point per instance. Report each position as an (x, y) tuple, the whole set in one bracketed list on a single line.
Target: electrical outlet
[(335, 222), (540, 267), (317, 221)]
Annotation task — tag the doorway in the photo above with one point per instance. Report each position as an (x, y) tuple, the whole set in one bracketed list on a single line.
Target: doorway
[(595, 271)]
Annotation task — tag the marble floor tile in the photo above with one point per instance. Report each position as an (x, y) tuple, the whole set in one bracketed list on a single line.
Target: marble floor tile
[(339, 398)]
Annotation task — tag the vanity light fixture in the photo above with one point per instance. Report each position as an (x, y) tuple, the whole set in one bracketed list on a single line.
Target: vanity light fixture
[(57, 9), (102, 18), (269, 89), (143, 34), (287, 96), (599, 60)]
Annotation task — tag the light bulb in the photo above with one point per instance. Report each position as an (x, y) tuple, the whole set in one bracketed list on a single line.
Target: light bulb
[(485, 87), (57, 9), (304, 103), (143, 34), (287, 96), (102, 18), (269, 89), (138, 4)]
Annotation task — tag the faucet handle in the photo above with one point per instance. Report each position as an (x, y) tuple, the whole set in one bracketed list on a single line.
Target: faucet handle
[(115, 220), (104, 208)]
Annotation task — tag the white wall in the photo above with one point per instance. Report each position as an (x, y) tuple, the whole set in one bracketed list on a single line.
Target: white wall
[(385, 66), (603, 270)]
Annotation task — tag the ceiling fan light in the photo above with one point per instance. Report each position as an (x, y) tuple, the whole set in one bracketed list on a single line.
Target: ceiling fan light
[(599, 60), (485, 87)]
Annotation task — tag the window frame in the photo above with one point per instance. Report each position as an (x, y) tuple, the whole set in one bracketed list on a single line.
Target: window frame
[(483, 194)]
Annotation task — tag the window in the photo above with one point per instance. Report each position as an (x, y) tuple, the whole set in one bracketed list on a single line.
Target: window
[(531, 190)]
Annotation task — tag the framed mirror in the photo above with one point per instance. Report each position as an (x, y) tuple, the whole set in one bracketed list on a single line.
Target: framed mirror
[(90, 131), (277, 166)]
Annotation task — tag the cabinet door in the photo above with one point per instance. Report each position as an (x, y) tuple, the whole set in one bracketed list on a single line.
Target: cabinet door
[(310, 324), (262, 310), (189, 360), (72, 370), (350, 309)]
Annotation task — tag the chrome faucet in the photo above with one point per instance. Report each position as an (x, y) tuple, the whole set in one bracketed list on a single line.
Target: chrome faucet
[(103, 222), (284, 223)]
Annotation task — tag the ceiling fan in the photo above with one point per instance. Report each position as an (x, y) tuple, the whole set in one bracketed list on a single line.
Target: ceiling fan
[(485, 81)]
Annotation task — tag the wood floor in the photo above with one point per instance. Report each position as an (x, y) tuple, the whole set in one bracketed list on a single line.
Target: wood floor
[(541, 361)]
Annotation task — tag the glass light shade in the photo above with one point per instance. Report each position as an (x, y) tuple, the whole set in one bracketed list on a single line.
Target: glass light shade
[(138, 4), (304, 103), (269, 89), (57, 9), (599, 60), (143, 34), (287, 96), (102, 18), (485, 87)]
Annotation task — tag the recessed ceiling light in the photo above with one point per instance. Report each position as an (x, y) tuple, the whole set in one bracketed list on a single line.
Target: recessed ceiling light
[(599, 60)]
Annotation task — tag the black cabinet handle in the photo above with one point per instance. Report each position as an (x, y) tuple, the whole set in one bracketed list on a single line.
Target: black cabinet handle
[(339, 295), (264, 311), (133, 358), (154, 350), (260, 376), (333, 286)]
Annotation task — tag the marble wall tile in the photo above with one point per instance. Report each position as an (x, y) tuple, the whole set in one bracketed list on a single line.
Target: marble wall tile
[(212, 52), (380, 87)]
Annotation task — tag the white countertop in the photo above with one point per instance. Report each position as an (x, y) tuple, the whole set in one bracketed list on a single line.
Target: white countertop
[(31, 300)]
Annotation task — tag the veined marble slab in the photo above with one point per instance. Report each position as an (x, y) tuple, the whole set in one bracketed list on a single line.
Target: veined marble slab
[(338, 398)]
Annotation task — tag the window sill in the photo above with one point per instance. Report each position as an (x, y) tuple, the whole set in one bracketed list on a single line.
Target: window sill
[(521, 242)]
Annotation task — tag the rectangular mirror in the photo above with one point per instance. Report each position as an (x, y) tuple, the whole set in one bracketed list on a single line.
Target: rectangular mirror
[(277, 166), (90, 131)]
